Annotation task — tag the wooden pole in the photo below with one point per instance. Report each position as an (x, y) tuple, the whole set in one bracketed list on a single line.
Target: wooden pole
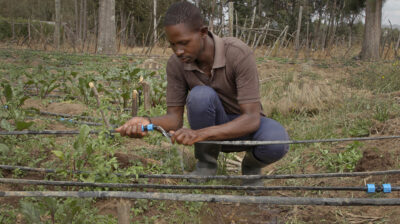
[(297, 41), (96, 94), (211, 22), (252, 24), (155, 21), (230, 18), (57, 24), (123, 209), (134, 103), (397, 47), (146, 94)]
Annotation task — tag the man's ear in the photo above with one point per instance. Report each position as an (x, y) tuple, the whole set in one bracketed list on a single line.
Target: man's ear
[(204, 31)]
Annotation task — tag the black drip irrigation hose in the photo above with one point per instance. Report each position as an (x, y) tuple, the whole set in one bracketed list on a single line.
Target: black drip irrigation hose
[(49, 132), (243, 143), (219, 177), (255, 143), (269, 200), (66, 115), (187, 187), (71, 121)]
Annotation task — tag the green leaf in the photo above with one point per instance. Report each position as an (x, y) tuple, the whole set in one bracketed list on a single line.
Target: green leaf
[(4, 148), (21, 125), (8, 92), (22, 100), (4, 124), (81, 140), (59, 154), (31, 212)]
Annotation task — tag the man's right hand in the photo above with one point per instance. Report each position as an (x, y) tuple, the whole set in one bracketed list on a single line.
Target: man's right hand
[(133, 127)]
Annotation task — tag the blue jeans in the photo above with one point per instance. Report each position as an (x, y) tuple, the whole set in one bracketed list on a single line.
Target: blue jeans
[(205, 109)]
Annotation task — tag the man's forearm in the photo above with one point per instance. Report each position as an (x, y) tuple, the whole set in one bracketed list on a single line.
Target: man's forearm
[(173, 120)]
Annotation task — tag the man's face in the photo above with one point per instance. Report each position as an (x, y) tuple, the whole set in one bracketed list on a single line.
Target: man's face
[(186, 43)]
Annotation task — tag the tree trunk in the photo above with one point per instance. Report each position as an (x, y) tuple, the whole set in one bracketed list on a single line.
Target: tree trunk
[(331, 26), (81, 21), (211, 22), (252, 24), (57, 4), (230, 18), (297, 42), (155, 20), (84, 20), (107, 33), (372, 32), (76, 20), (132, 38), (397, 47)]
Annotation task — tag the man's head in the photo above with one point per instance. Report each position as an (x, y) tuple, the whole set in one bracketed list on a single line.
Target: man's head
[(185, 30)]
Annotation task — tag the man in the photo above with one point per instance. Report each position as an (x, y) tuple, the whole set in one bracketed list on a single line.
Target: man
[(216, 78)]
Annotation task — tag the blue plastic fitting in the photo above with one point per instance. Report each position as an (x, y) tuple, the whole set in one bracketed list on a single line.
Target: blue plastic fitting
[(62, 119), (387, 188), (371, 188), (149, 127), (70, 120)]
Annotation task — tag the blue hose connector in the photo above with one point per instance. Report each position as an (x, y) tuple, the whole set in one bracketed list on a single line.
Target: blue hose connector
[(371, 188), (62, 119), (387, 188), (149, 127)]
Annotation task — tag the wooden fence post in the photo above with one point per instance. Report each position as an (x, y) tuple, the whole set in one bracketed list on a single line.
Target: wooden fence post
[(134, 103)]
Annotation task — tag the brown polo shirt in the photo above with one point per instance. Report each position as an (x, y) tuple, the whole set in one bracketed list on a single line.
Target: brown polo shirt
[(233, 76)]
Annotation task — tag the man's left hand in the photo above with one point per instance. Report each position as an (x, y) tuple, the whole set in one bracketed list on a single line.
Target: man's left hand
[(186, 136)]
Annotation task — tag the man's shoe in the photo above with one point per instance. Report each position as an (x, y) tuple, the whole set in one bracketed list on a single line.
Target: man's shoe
[(252, 166), (207, 164)]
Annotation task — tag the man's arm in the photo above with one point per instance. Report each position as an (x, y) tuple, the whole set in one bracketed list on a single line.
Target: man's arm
[(173, 120), (246, 123)]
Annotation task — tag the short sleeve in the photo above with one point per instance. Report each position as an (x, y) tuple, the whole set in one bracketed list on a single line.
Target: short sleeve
[(177, 87), (246, 77)]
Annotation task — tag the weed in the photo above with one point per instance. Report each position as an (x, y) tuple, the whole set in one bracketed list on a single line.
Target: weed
[(381, 112), (7, 214), (342, 161), (52, 210)]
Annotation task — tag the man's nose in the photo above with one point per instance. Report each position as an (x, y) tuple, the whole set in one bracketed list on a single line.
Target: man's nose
[(179, 52)]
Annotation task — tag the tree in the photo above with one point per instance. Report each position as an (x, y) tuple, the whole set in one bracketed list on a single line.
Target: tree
[(107, 30), (372, 32), (57, 24)]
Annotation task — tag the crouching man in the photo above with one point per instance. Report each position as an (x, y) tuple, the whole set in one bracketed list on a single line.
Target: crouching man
[(216, 78)]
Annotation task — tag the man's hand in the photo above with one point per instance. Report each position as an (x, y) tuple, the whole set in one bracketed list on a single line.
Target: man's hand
[(186, 136), (133, 127)]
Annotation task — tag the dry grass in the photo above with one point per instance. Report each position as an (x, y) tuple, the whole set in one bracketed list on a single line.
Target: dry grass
[(299, 88)]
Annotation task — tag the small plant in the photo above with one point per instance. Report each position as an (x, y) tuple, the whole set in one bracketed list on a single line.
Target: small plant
[(11, 108), (43, 81), (360, 128), (342, 161), (381, 112), (52, 210)]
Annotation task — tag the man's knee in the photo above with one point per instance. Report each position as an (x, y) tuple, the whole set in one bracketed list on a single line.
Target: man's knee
[(200, 98), (270, 130)]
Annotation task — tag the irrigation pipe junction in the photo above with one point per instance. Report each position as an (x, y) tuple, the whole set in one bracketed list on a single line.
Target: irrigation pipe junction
[(370, 188)]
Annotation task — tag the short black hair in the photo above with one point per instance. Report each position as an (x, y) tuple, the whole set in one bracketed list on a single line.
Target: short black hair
[(184, 12)]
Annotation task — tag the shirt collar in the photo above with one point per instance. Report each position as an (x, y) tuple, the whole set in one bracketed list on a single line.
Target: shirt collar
[(219, 55)]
